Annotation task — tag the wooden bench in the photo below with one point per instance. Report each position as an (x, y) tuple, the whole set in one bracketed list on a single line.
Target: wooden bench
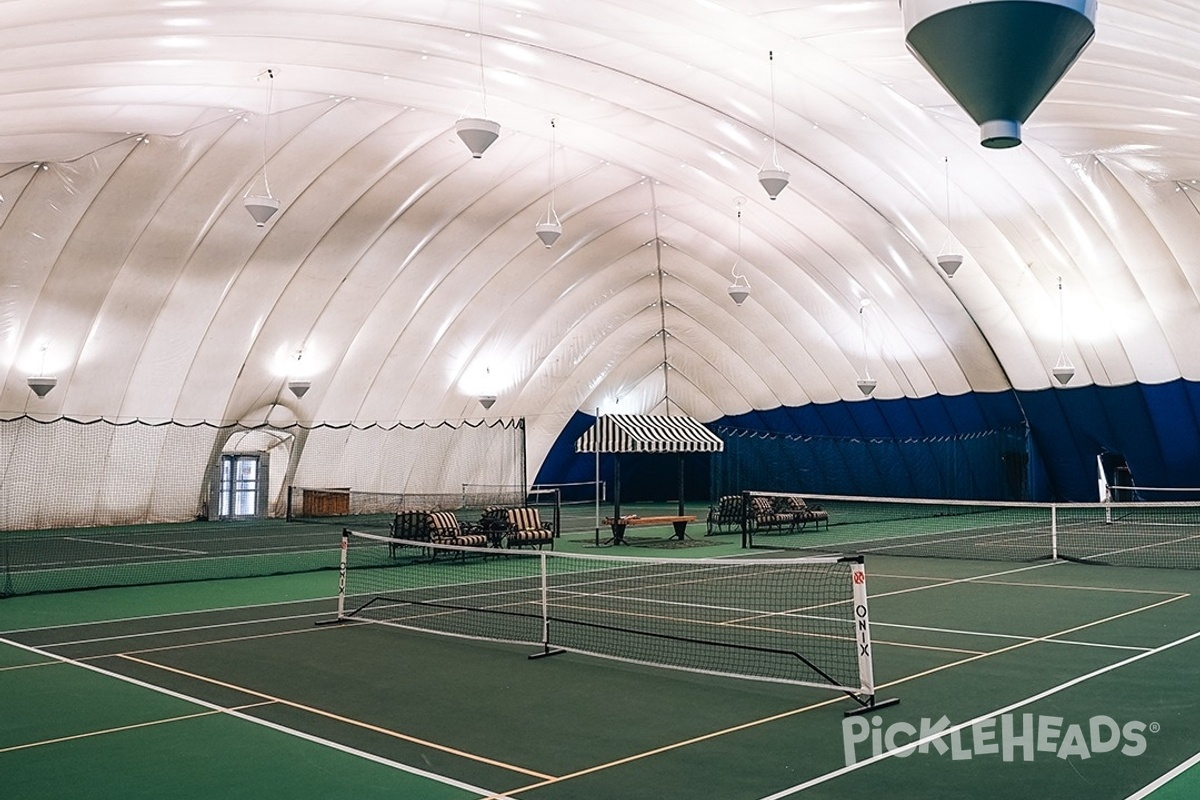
[(619, 524)]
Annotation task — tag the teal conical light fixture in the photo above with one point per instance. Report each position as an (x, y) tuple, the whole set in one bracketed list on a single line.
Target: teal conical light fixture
[(998, 59)]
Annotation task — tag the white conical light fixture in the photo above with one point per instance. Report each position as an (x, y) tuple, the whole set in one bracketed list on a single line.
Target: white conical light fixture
[(299, 387), (866, 384), (774, 179), (739, 290), (949, 259), (949, 262), (549, 228), (263, 206), (549, 231), (478, 133), (42, 384), (1063, 369), (487, 400)]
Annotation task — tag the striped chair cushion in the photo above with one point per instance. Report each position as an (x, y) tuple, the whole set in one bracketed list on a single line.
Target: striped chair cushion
[(525, 519), (444, 524), (412, 526), (531, 536), (525, 527)]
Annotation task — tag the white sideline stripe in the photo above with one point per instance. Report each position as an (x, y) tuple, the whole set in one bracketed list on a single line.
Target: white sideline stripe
[(820, 779), (929, 629), (172, 631), (264, 723), (1118, 589), (956, 581), (1165, 779), (327, 599), (137, 546)]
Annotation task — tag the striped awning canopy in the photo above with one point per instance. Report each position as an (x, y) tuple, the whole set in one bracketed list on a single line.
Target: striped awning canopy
[(643, 433)]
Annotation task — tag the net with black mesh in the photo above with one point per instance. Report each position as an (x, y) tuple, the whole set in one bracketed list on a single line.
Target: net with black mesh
[(790, 620), (1127, 534), (86, 504)]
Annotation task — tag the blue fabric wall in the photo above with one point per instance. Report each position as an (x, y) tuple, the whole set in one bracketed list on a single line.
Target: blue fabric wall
[(1155, 427)]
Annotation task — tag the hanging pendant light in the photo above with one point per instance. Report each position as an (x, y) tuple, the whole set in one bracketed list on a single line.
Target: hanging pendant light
[(866, 384), (998, 60), (478, 133), (1063, 369), (297, 385), (739, 290), (949, 259), (487, 400), (263, 206), (549, 228), (41, 384), (774, 178)]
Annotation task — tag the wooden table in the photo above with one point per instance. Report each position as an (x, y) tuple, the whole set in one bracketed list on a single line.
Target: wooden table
[(619, 524)]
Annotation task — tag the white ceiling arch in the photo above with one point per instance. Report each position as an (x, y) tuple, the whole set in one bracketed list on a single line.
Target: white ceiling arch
[(408, 276)]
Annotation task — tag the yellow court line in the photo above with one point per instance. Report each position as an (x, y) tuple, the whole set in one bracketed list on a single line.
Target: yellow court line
[(776, 717), (667, 748), (121, 728), (339, 718)]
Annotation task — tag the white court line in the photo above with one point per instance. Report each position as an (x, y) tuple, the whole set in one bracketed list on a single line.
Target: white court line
[(1165, 779), (137, 546), (116, 620), (956, 581), (820, 779), (1116, 589), (122, 728), (928, 629), (189, 629), (264, 723)]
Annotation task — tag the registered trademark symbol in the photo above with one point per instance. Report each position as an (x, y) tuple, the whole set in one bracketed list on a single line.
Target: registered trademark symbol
[(1155, 727)]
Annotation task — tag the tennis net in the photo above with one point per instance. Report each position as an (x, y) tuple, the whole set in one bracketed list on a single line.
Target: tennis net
[(1136, 534), (801, 621)]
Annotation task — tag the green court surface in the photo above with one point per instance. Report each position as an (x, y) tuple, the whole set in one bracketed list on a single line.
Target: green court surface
[(1050, 679)]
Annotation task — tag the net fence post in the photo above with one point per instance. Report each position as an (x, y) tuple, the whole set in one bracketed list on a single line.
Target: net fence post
[(1054, 531), (341, 604), (865, 696), (745, 526), (341, 596), (288, 512), (544, 603)]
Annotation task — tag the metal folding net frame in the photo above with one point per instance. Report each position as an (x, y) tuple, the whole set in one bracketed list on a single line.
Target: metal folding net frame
[(801, 621)]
